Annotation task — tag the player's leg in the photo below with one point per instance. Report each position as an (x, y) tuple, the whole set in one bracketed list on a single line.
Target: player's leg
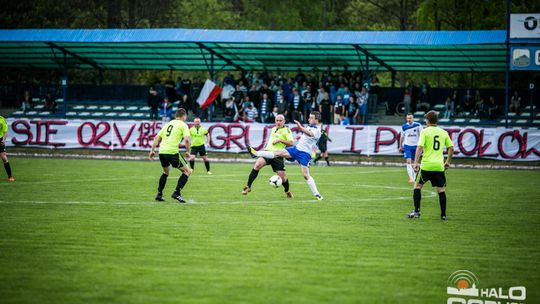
[(163, 158), (325, 154), (410, 170), (192, 160), (439, 181), (417, 194), (7, 166), (268, 154), (182, 165), (261, 162), (285, 183), (311, 182), (205, 159)]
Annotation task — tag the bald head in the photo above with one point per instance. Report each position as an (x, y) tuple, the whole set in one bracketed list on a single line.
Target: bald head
[(280, 120)]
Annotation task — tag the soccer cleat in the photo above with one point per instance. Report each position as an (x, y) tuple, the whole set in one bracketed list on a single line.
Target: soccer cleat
[(159, 197), (252, 152), (289, 194), (11, 179), (319, 197), (443, 218), (246, 190), (176, 195), (209, 173), (190, 170), (413, 214)]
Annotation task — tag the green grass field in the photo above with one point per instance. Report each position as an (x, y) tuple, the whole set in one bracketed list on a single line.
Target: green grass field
[(84, 231)]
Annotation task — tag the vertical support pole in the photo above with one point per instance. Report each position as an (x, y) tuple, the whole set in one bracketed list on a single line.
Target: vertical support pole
[(64, 84), (507, 70), (394, 79)]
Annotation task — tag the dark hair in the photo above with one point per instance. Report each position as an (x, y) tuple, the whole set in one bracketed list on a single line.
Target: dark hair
[(317, 115), (180, 113), (409, 114), (432, 117)]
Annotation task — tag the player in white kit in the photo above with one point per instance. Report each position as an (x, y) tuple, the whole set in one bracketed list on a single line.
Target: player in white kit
[(408, 142), (301, 152)]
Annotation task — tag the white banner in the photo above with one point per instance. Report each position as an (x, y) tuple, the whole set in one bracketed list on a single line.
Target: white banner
[(524, 26), (496, 143)]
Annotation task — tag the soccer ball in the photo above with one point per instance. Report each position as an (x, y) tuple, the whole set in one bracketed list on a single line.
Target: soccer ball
[(275, 181)]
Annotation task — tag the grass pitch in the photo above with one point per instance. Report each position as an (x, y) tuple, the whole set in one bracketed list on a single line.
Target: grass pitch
[(84, 231)]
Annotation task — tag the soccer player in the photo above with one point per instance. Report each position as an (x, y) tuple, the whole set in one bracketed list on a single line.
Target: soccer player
[(198, 135), (431, 143), (3, 154), (408, 142), (170, 137), (301, 152), (280, 137)]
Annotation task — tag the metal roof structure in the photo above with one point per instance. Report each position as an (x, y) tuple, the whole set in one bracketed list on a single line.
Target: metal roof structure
[(198, 49)]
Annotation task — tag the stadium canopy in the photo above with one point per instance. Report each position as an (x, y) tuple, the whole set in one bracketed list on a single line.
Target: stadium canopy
[(214, 50)]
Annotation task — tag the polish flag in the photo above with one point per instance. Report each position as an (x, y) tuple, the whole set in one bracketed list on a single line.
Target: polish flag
[(208, 94)]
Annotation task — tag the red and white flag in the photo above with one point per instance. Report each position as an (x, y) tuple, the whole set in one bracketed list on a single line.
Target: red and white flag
[(208, 94)]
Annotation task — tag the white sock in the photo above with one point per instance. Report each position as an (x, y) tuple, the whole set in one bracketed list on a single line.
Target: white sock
[(265, 154), (312, 186), (410, 171)]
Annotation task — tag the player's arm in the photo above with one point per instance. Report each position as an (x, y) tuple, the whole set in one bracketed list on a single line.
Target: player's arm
[(450, 148), (419, 151), (304, 130), (187, 143), (157, 140), (401, 138)]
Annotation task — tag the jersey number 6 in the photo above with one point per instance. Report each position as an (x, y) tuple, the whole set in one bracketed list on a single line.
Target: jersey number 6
[(436, 143)]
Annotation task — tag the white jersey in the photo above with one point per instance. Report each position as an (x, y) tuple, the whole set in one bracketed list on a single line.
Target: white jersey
[(411, 133), (307, 143)]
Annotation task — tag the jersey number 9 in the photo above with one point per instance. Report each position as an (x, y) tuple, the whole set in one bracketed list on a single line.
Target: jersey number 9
[(169, 129)]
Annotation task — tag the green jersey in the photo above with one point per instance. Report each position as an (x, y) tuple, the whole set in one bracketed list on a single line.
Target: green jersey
[(3, 127), (197, 135), (171, 135), (283, 133), (433, 139)]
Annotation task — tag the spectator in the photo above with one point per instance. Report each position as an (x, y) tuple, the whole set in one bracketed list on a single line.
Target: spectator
[(170, 91), (238, 95), (250, 113), (226, 93), (282, 106), (344, 121), (468, 102), (325, 108), (309, 101), (424, 103), (27, 103), (300, 77), (154, 101), (185, 86), (254, 96), (480, 108), (407, 99), (492, 108), (185, 103), (362, 106), (230, 111), (457, 103), (353, 110), (515, 103), (50, 103), (272, 116), (296, 105), (339, 109), (448, 108), (373, 97), (165, 110), (266, 105)]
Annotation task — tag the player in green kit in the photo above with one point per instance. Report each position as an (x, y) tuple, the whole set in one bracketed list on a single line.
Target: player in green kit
[(3, 154), (198, 135), (431, 143), (280, 137), (169, 138)]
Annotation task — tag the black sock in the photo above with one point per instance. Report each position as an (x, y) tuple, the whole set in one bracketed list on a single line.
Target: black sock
[(318, 158), (417, 195), (162, 182), (442, 203), (182, 180), (7, 166), (207, 165), (192, 164), (327, 161), (252, 176), (286, 185)]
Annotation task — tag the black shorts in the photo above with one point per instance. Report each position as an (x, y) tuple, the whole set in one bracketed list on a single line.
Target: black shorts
[(277, 164), (199, 149), (2, 146), (175, 160), (322, 146), (437, 178)]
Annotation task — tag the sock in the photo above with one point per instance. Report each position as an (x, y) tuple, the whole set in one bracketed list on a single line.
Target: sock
[(207, 165), (265, 154), (286, 185), (317, 159), (7, 166), (162, 182), (442, 202), (312, 186), (417, 195), (410, 171), (182, 180), (192, 164), (327, 161), (252, 176)]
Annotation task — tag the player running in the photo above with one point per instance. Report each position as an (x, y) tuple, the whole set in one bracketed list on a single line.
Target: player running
[(198, 135), (170, 137), (301, 152), (3, 154), (432, 142), (280, 138), (408, 142)]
